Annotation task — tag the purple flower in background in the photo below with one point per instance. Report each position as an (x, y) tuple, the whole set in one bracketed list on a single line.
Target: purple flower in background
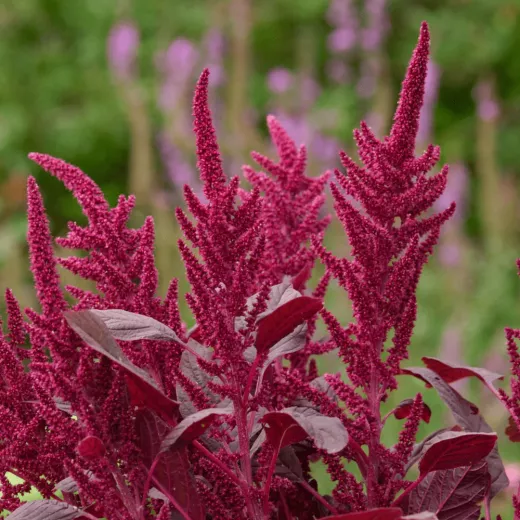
[(338, 70), (487, 105), (377, 27), (342, 16), (367, 83), (122, 45), (309, 91), (177, 66), (456, 191), (341, 40), (178, 171), (324, 148), (297, 127), (279, 80), (341, 13), (450, 252), (431, 90), (214, 44)]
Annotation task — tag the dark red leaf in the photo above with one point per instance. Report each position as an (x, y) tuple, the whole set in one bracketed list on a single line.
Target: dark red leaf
[(195, 334), (46, 510), (403, 409), (144, 395), (455, 494), (129, 326), (282, 321), (192, 427), (302, 277), (466, 415), (172, 475), (292, 425), (142, 387), (512, 431), (456, 449), (382, 513), (451, 372), (91, 447)]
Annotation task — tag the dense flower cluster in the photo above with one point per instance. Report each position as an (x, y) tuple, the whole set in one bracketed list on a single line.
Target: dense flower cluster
[(125, 413)]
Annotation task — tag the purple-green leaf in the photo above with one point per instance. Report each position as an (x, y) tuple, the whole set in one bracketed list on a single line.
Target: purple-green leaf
[(129, 326), (46, 510), (294, 424), (454, 494), (456, 449), (192, 427), (467, 416)]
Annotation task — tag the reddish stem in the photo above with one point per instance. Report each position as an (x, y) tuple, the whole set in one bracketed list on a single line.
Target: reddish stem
[(360, 456), (267, 485), (408, 490), (217, 462), (250, 378), (317, 496)]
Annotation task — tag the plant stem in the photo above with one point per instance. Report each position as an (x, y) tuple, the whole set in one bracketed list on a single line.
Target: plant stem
[(149, 479), (267, 485), (360, 457), (217, 462), (317, 496), (408, 490), (372, 473), (250, 378), (243, 446)]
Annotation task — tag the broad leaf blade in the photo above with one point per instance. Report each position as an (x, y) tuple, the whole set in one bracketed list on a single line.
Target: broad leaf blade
[(281, 322), (292, 425), (192, 427), (129, 326), (292, 343), (92, 330), (457, 449), (69, 485), (455, 494), (450, 372), (172, 475), (46, 510), (466, 415)]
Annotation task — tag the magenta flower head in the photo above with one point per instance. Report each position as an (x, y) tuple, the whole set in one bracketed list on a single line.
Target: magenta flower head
[(123, 42)]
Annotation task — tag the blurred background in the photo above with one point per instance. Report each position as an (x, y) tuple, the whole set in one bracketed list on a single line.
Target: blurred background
[(107, 85)]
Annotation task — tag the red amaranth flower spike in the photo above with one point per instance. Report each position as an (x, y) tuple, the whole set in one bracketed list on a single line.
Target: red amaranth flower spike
[(43, 264), (208, 153)]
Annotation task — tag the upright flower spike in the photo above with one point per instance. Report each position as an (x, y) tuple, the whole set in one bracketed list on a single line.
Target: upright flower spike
[(390, 245), (15, 322), (208, 153), (292, 203), (43, 263), (406, 119)]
